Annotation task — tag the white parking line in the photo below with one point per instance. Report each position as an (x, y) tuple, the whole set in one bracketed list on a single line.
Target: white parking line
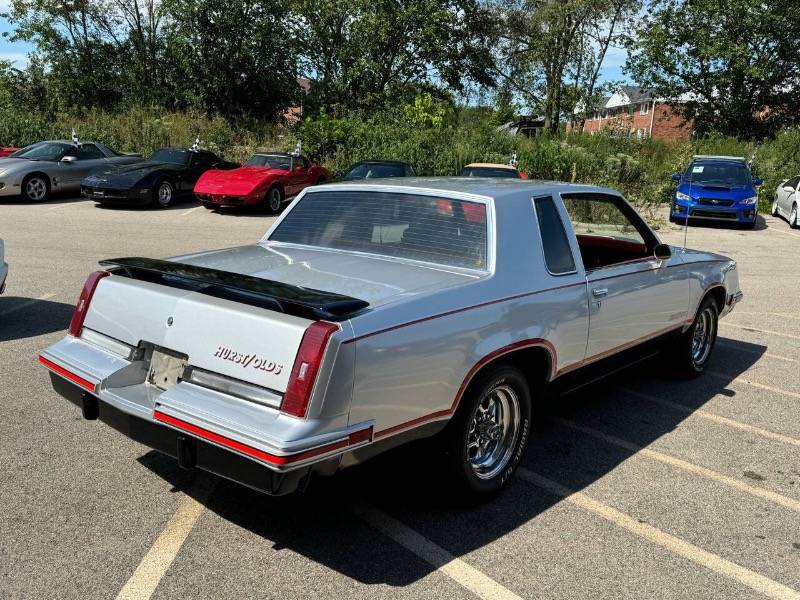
[(759, 353), (162, 553), (456, 569), (760, 386), (25, 304), (771, 435), (191, 210), (761, 314), (755, 581), (767, 331), (64, 204), (783, 232), (692, 468)]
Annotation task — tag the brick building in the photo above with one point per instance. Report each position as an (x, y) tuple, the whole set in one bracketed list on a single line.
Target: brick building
[(637, 112)]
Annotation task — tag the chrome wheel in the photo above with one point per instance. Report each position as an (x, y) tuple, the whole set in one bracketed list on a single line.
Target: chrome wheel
[(705, 330), (274, 200), (775, 208), (35, 188), (793, 216), (165, 193), (493, 432)]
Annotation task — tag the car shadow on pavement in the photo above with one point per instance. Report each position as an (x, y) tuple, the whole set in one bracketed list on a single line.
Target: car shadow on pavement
[(24, 318), (327, 522)]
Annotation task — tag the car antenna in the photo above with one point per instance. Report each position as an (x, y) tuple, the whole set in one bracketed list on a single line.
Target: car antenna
[(688, 209)]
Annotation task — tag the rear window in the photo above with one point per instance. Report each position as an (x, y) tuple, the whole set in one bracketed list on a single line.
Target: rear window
[(425, 228)]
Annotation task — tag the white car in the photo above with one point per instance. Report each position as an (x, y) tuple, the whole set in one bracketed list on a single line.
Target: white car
[(3, 268), (786, 201)]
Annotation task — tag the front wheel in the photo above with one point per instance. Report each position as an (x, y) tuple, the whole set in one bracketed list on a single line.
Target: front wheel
[(692, 350), (793, 217), (486, 438), (274, 200), (775, 208), (36, 188), (164, 194)]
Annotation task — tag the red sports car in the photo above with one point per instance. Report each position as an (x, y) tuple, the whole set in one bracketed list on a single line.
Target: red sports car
[(7, 151), (266, 178)]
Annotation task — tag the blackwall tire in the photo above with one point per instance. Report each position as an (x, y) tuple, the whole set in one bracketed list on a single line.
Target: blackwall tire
[(488, 434)]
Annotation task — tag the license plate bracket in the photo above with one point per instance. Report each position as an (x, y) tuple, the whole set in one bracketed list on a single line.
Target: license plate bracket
[(166, 368)]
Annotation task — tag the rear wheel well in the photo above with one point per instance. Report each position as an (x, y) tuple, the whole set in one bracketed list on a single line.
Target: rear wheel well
[(534, 362)]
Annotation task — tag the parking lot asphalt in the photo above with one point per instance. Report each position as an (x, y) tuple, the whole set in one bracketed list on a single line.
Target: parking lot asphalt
[(642, 486)]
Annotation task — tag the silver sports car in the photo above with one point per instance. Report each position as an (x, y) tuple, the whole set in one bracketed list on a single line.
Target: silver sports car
[(787, 201), (54, 166), (374, 313)]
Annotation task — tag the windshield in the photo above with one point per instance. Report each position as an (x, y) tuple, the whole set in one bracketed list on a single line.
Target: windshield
[(42, 151), (374, 171), (274, 161), (170, 155), (722, 174), (489, 172), (425, 228)]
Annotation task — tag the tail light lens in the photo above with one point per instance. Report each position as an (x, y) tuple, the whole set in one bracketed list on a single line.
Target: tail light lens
[(76, 324), (306, 366)]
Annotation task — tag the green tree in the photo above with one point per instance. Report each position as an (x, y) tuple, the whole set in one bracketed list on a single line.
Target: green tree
[(362, 54), (734, 64)]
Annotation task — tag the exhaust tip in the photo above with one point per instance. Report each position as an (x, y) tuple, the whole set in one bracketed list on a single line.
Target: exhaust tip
[(90, 407)]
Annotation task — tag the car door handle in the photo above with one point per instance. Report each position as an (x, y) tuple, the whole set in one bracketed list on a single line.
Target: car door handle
[(599, 292)]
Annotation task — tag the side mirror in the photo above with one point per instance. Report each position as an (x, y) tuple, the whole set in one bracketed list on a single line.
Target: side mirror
[(298, 168), (662, 252), (676, 177), (68, 159), (758, 181)]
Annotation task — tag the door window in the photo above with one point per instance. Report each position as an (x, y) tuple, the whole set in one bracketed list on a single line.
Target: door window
[(89, 152), (609, 231)]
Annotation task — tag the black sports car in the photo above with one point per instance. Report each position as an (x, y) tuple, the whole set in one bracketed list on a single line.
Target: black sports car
[(374, 169), (167, 175)]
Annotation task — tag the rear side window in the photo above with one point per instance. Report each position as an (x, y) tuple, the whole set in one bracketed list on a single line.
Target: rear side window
[(444, 231), (557, 253)]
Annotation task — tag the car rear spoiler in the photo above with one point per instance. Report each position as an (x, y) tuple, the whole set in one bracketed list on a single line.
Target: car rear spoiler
[(255, 291)]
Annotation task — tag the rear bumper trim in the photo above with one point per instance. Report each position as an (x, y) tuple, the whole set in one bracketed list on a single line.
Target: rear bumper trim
[(353, 440), (77, 379)]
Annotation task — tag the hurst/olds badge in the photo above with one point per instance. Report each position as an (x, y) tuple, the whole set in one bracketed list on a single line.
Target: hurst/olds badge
[(248, 361)]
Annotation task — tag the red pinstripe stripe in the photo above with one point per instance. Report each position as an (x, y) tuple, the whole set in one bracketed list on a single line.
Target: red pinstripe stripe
[(84, 383)]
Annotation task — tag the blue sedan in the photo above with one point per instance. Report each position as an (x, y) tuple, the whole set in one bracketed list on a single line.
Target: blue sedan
[(717, 188)]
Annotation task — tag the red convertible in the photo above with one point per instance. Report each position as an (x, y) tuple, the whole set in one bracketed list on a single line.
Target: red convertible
[(267, 178)]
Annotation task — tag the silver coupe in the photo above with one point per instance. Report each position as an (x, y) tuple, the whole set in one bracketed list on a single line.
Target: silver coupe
[(375, 313), (40, 169), (787, 201)]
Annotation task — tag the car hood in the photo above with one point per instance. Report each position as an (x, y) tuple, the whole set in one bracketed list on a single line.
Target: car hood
[(722, 192), (373, 279), (236, 182)]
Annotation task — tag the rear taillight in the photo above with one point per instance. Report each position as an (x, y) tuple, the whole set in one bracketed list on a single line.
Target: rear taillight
[(306, 366), (76, 324)]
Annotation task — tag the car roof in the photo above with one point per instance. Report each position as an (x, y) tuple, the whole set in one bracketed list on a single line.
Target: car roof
[(490, 166), (476, 186), (267, 153), (378, 161)]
